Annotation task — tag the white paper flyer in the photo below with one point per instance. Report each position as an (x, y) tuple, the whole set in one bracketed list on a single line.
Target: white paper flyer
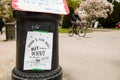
[(38, 51)]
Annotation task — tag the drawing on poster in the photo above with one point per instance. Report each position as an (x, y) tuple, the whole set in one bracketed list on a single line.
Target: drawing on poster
[(38, 51)]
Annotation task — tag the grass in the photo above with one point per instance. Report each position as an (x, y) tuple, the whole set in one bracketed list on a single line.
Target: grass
[(62, 30), (65, 30)]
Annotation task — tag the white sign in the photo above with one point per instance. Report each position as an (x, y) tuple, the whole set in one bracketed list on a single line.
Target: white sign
[(47, 6), (38, 51)]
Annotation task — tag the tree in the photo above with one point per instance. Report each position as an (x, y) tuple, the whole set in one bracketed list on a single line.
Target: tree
[(66, 19), (6, 13), (6, 10), (95, 9), (73, 4), (111, 20)]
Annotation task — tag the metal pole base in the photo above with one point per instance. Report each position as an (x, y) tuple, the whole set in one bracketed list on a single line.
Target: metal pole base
[(52, 75)]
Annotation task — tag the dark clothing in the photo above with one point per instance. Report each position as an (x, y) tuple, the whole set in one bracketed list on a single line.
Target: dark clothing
[(74, 18), (1, 25)]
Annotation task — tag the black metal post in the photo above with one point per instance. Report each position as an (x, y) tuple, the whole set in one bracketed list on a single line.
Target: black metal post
[(30, 22)]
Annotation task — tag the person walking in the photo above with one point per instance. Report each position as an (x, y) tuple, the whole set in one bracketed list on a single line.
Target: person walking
[(1, 25)]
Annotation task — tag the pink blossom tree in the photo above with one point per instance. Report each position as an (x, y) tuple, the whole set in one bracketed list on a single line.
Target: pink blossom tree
[(91, 9)]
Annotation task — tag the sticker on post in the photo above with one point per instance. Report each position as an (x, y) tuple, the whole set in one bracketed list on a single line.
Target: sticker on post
[(38, 51), (46, 6)]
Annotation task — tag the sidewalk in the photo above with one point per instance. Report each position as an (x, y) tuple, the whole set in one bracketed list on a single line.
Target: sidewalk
[(7, 59), (95, 57)]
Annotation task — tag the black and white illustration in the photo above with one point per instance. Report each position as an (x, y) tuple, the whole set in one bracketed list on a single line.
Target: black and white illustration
[(38, 51)]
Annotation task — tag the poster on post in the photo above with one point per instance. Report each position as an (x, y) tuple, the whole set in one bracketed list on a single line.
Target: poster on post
[(46, 6), (38, 51)]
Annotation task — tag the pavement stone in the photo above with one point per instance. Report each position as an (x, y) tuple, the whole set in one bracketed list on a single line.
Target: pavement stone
[(7, 59), (94, 57)]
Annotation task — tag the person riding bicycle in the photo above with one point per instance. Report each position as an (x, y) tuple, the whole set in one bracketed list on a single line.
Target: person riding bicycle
[(74, 19)]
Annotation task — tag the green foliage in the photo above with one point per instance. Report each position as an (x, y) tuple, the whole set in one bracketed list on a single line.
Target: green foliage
[(6, 10), (63, 30), (112, 19), (66, 19), (73, 4)]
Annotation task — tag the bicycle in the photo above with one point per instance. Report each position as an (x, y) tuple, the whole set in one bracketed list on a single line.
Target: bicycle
[(80, 30)]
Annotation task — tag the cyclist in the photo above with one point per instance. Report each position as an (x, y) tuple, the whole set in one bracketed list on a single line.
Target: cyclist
[(74, 19)]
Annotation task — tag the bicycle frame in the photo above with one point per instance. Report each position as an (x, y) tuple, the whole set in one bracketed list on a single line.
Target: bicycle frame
[(77, 28)]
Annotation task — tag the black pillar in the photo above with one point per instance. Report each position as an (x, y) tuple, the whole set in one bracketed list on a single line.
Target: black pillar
[(38, 22)]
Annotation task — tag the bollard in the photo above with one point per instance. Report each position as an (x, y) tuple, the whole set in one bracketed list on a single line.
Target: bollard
[(37, 46), (10, 31)]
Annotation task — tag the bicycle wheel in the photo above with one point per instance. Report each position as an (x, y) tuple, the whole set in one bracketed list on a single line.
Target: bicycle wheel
[(70, 31), (82, 31)]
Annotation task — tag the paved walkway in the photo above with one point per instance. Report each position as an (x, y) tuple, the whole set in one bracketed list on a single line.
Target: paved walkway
[(95, 57), (7, 59)]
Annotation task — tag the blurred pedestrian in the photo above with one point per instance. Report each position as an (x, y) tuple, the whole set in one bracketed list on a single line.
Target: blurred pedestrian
[(1, 25)]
